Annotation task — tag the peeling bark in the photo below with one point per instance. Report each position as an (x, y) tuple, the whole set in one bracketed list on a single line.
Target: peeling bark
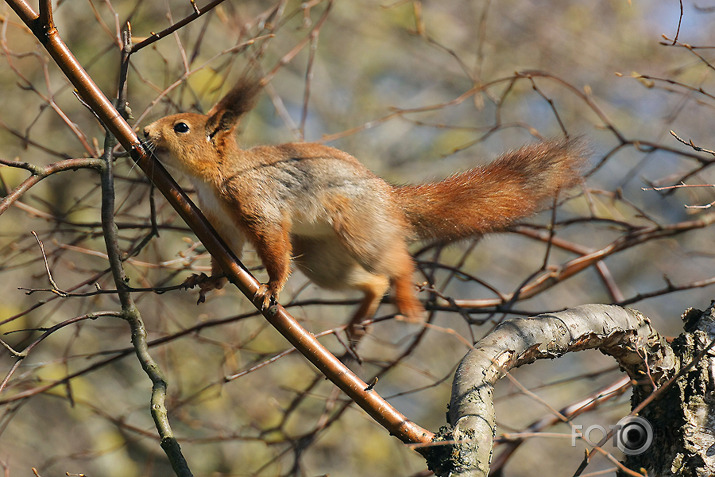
[(682, 414)]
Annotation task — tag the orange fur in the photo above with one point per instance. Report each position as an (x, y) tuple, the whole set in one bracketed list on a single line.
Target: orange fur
[(346, 227)]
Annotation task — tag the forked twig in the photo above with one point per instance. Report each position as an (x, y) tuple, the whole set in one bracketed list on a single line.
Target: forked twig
[(55, 289)]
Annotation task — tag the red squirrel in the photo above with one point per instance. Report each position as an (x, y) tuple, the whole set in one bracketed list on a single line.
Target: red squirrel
[(343, 226)]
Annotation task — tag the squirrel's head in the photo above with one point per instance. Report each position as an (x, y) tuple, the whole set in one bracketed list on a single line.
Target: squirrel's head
[(195, 143)]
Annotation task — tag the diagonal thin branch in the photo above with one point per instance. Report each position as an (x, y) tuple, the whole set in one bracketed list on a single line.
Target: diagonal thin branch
[(176, 26), (376, 406)]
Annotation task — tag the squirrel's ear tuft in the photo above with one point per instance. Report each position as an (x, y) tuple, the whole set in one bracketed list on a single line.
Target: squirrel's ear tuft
[(237, 102)]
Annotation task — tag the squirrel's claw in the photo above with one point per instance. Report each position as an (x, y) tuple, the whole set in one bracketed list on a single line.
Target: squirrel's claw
[(193, 280), (205, 284), (267, 295)]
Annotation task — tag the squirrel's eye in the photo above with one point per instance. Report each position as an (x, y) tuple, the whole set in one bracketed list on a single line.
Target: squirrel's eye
[(181, 128)]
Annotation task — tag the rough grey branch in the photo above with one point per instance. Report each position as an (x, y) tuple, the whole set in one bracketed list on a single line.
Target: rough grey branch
[(625, 334)]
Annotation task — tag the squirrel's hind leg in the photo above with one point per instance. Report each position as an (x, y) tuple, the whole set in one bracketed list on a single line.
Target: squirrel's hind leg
[(374, 287), (328, 263)]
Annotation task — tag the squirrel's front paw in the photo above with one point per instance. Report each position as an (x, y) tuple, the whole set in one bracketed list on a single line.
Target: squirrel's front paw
[(267, 293), (205, 284)]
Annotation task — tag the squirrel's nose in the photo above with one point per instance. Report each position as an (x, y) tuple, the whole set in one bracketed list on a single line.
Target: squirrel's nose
[(146, 133)]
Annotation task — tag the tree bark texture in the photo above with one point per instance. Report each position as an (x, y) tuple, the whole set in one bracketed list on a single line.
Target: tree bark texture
[(682, 415), (625, 334)]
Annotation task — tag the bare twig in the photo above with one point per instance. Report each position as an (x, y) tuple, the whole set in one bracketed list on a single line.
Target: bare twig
[(176, 26), (39, 173), (55, 288), (680, 21), (692, 144), (550, 277)]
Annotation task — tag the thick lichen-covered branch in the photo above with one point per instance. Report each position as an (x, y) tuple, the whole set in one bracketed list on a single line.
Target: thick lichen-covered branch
[(622, 333)]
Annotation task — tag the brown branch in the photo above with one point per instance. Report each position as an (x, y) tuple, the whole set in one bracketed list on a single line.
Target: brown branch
[(549, 278), (297, 48), (124, 352), (305, 342), (680, 21), (45, 16), (655, 79), (530, 74), (176, 26), (39, 173), (691, 144), (26, 140), (691, 49), (49, 99)]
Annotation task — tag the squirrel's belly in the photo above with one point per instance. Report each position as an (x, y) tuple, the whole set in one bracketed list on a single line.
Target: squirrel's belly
[(314, 228)]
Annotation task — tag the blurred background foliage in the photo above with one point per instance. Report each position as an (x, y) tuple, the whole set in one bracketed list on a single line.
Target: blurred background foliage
[(415, 90)]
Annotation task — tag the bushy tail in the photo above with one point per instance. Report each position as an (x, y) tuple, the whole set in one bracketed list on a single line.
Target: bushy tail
[(490, 198)]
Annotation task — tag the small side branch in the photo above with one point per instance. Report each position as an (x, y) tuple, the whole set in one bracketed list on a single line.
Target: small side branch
[(55, 288), (20, 355), (45, 17), (691, 144), (181, 23), (39, 173)]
